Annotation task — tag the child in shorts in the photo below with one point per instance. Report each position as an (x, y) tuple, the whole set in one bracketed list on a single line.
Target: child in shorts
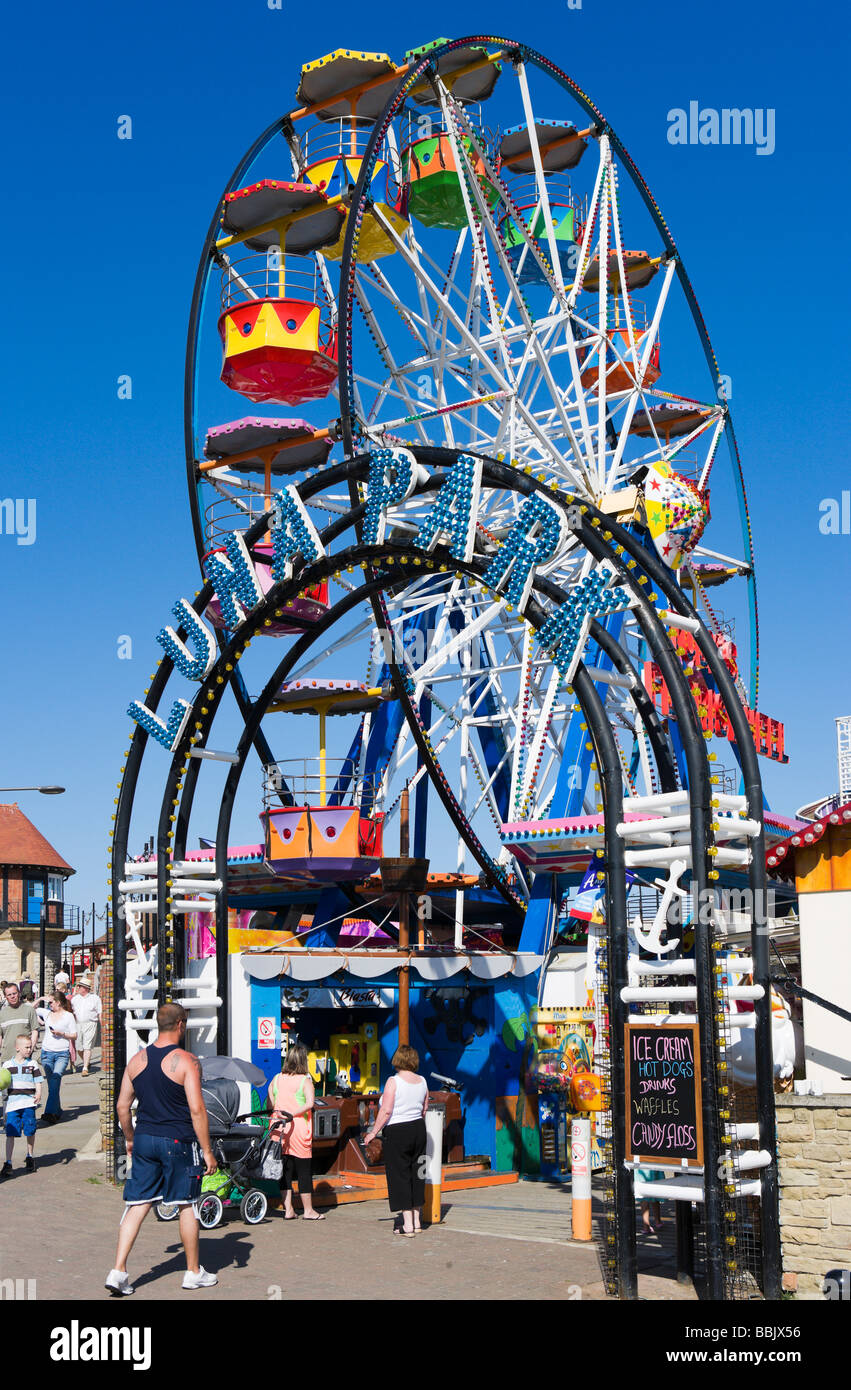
[(22, 1098)]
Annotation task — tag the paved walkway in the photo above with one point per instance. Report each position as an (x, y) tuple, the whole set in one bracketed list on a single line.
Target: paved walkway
[(509, 1242)]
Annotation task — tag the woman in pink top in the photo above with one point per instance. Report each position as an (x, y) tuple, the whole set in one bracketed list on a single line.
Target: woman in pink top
[(402, 1116), (292, 1090)]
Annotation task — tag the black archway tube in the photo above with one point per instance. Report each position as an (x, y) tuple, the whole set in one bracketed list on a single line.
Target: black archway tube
[(120, 841), (665, 764), (264, 752), (764, 1057), (668, 782), (700, 818), (760, 943), (611, 780)]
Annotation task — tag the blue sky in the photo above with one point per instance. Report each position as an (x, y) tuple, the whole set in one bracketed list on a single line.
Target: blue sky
[(102, 246)]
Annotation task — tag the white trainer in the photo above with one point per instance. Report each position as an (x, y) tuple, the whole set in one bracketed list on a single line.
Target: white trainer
[(118, 1281), (201, 1280)]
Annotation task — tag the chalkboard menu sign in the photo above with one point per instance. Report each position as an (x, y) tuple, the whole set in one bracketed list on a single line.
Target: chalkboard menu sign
[(663, 1115)]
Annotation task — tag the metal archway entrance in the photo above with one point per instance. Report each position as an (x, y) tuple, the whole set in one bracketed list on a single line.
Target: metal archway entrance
[(620, 572)]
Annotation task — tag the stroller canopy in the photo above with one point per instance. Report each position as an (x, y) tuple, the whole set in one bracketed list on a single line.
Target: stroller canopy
[(221, 1098)]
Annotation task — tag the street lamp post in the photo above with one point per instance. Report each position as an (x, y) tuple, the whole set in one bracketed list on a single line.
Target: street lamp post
[(42, 942), (45, 791)]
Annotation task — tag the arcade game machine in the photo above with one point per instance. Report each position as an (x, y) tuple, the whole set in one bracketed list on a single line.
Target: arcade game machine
[(566, 1080), (565, 1051)]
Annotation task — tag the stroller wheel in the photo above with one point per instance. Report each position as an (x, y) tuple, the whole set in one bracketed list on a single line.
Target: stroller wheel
[(253, 1206), (210, 1211), (166, 1211)]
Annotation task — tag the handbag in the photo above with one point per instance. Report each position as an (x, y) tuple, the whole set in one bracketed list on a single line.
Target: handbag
[(272, 1167), (373, 1152)]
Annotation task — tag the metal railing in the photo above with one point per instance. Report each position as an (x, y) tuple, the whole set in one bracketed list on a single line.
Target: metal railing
[(728, 780), (342, 138), (227, 514), (616, 316), (305, 779), (274, 275), (524, 194), (419, 125), (689, 466), (62, 916)]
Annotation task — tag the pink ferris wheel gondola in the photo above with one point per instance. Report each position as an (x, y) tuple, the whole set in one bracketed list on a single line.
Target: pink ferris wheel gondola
[(256, 444)]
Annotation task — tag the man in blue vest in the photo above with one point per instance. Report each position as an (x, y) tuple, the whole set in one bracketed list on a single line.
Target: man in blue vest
[(171, 1137)]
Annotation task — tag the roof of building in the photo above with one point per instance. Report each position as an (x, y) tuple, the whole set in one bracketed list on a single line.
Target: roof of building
[(780, 859), (21, 844)]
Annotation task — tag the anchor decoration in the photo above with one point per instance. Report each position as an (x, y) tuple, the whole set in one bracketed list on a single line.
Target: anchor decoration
[(650, 938)]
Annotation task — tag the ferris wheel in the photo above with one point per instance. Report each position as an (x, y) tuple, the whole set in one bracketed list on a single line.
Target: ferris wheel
[(449, 262)]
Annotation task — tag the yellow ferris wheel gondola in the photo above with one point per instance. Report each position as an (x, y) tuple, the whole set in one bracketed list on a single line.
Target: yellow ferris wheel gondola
[(346, 91)]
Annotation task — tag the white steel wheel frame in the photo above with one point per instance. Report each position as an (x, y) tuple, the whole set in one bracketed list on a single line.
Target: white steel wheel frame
[(500, 380), (476, 338)]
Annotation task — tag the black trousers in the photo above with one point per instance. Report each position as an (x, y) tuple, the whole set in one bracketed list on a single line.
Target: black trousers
[(300, 1168), (404, 1161)]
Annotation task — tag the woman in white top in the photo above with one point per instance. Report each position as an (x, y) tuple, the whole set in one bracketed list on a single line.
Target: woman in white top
[(62, 984), (401, 1116), (59, 1028)]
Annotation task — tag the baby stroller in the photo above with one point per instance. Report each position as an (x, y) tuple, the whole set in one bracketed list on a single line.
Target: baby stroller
[(240, 1150)]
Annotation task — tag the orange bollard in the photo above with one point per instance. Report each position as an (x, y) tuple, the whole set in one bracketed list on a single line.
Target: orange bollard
[(580, 1170), (434, 1168)]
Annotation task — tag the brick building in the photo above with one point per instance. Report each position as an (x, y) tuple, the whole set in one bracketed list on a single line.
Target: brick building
[(33, 884)]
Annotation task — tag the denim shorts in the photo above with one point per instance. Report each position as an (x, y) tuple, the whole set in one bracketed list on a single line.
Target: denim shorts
[(20, 1122), (164, 1170)]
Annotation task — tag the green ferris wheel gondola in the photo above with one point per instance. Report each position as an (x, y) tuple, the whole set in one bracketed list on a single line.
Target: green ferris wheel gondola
[(525, 266), (435, 193)]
